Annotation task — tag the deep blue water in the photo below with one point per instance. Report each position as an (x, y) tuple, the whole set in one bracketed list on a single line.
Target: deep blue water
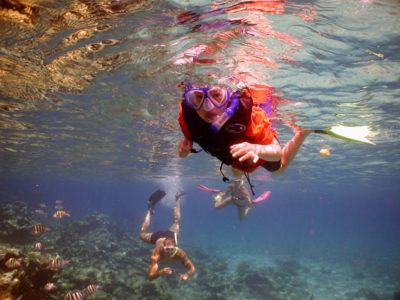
[(332, 220)]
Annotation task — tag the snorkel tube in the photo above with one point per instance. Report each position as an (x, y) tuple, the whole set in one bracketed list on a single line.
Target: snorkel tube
[(227, 114)]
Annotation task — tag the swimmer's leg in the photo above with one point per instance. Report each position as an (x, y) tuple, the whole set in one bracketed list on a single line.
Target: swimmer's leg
[(145, 235)]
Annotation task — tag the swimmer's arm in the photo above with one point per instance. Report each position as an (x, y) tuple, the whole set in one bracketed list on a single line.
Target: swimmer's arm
[(244, 151), (272, 152), (187, 263), (153, 272), (153, 266)]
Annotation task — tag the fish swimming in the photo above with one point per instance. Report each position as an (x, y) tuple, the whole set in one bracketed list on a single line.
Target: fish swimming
[(40, 228), (91, 289), (13, 263), (74, 296), (59, 214), (58, 263), (38, 246)]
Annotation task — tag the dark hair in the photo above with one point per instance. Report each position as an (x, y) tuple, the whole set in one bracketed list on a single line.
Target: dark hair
[(169, 238)]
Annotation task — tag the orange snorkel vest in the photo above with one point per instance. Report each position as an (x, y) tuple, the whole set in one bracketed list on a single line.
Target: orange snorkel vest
[(248, 124)]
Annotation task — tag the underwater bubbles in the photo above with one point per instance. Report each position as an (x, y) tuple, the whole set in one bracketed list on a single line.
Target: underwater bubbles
[(171, 183)]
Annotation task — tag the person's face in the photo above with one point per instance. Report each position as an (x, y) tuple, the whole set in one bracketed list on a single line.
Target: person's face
[(168, 247), (210, 115), (209, 103)]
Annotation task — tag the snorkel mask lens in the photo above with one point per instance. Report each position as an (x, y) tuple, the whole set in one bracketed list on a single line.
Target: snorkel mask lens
[(218, 96), (169, 249), (195, 98), (208, 98)]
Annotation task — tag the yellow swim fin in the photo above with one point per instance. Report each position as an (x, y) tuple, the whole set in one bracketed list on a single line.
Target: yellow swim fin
[(348, 133)]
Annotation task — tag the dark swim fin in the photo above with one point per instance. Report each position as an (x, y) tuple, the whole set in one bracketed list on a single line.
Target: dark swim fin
[(154, 199)]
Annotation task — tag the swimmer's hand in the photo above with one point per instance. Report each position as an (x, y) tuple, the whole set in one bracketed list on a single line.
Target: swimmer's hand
[(185, 145), (245, 151), (165, 271), (184, 277)]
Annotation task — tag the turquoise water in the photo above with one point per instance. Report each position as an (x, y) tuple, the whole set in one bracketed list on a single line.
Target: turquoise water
[(88, 112)]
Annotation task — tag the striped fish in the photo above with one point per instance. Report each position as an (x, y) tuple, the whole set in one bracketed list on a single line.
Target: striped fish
[(13, 263), (74, 296), (40, 228), (61, 214), (38, 246), (91, 289), (58, 263)]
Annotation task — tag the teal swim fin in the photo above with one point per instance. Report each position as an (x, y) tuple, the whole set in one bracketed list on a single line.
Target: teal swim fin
[(154, 199)]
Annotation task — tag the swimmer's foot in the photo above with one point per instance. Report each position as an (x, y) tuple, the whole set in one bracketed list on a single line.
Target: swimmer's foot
[(178, 195), (154, 199)]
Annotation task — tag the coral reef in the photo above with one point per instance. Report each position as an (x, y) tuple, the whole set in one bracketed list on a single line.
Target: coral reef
[(283, 281), (364, 294), (97, 251), (26, 281), (16, 221)]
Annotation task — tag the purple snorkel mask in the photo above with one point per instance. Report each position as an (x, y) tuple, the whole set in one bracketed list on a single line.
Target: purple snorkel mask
[(209, 98)]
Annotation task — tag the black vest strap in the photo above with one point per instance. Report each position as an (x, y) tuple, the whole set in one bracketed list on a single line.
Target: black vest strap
[(217, 144)]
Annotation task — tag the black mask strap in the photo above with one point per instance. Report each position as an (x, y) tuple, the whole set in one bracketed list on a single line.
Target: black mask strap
[(224, 178), (250, 184), (195, 150)]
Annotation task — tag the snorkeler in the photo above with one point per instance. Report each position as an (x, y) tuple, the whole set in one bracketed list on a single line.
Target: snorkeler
[(166, 242), (236, 194), (232, 126)]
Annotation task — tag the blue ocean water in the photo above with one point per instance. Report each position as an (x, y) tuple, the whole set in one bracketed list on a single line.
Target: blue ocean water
[(88, 116)]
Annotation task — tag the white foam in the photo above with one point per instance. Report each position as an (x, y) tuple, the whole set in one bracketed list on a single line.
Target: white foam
[(171, 184)]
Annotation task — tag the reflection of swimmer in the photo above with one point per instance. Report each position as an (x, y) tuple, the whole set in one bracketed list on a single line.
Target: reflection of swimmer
[(242, 21), (166, 243), (232, 127)]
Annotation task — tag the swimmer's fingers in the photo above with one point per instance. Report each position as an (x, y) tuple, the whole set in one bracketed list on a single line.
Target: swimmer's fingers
[(244, 151), (250, 155)]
